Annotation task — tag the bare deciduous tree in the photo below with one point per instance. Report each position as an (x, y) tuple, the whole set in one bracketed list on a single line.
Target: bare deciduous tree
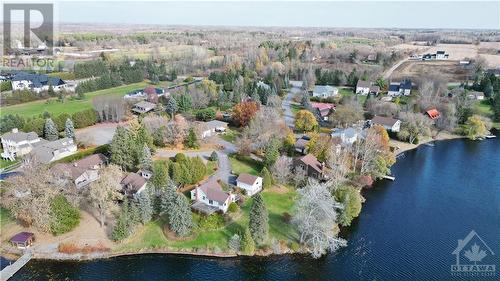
[(282, 169), (105, 191)]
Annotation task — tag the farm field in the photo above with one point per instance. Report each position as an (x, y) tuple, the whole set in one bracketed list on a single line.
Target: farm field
[(35, 108), (415, 69)]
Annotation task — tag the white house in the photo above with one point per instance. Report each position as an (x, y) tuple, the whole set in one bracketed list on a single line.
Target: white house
[(398, 89), (48, 151), (473, 95), (348, 136), (388, 123), (363, 87), (16, 143), (36, 82), (209, 197), (211, 128), (325, 91), (251, 184), (441, 55)]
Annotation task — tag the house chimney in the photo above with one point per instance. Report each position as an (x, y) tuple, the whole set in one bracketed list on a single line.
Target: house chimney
[(15, 130)]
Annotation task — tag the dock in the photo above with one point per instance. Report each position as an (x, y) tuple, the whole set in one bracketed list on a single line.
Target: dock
[(10, 270), (490, 136), (388, 177)]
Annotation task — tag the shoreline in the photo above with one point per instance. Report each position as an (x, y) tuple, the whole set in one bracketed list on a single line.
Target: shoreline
[(404, 146)]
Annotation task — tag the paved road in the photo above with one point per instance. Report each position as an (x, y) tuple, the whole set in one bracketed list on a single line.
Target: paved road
[(288, 101)]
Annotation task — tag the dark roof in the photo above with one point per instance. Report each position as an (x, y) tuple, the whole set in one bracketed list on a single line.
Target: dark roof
[(247, 178), (77, 168), (312, 162), (385, 121), (363, 84), (133, 182), (38, 80), (375, 89), (393, 87), (301, 143), (22, 237), (440, 52), (213, 191), (406, 84)]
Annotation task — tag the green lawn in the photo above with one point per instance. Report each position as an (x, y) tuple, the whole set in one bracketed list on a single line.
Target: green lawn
[(230, 135), (4, 217), (296, 107), (6, 163), (69, 106), (348, 92), (245, 164), (151, 235)]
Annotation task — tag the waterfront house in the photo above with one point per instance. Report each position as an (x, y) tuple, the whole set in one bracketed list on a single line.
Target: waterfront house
[(322, 109), (348, 135), (83, 171), (325, 91), (133, 184), (390, 124), (16, 143), (312, 167), (251, 184), (143, 107), (48, 151), (22, 240), (209, 198), (36, 82)]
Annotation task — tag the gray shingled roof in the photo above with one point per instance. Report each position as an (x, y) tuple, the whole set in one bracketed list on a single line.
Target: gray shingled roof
[(20, 136), (213, 191)]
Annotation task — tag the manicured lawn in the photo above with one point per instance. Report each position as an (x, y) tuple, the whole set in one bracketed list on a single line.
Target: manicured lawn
[(68, 106), (245, 164), (348, 92), (4, 216), (151, 235), (483, 108)]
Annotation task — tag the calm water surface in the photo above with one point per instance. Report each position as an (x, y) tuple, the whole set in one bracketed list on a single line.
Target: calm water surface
[(408, 230)]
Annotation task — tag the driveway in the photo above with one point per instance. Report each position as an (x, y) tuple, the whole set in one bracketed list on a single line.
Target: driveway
[(288, 101), (389, 71), (98, 134)]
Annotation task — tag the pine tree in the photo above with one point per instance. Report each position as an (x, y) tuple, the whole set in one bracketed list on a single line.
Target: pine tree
[(167, 198), (180, 218), (247, 243), (69, 129), (258, 224), (160, 176), (267, 180), (171, 106), (121, 148), (145, 161), (235, 243), (50, 130), (192, 140), (214, 156), (145, 207), (134, 216)]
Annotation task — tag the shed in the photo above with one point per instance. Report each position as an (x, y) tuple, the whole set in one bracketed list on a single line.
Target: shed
[(22, 239)]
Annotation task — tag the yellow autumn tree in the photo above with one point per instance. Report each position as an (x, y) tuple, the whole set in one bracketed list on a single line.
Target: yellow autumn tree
[(305, 121)]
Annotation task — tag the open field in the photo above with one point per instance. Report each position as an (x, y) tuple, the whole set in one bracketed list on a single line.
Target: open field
[(68, 106), (415, 69)]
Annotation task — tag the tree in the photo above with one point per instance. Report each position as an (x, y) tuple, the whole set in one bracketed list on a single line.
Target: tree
[(160, 177), (50, 130), (69, 129), (104, 191), (476, 127), (346, 115), (267, 180), (259, 220), (316, 219), (282, 169), (171, 107), (192, 140), (146, 161), (235, 243), (271, 152), (123, 148), (65, 216), (145, 207), (247, 243), (180, 219), (351, 199), (413, 126), (243, 112), (214, 156), (305, 121)]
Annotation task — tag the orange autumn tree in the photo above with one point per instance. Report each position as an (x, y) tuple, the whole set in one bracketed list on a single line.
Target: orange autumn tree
[(243, 112)]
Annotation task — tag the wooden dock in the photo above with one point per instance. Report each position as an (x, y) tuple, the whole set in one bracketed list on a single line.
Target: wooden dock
[(392, 178), (10, 270)]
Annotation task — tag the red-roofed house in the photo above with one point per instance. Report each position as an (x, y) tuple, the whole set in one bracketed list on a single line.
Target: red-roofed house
[(433, 113), (323, 109)]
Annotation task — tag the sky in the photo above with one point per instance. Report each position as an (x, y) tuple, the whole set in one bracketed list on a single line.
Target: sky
[(364, 14)]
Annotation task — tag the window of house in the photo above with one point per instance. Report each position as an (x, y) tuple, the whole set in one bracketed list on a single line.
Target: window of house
[(210, 202)]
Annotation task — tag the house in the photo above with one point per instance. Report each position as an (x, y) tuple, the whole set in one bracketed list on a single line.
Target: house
[(433, 113), (211, 128), (83, 171), (209, 198), (36, 82), (474, 95), (16, 143), (301, 145), (22, 240), (48, 151), (363, 87), (311, 166), (323, 109), (348, 136), (135, 94), (441, 55), (388, 123), (143, 107), (325, 91), (398, 89), (374, 90), (133, 184), (251, 184)]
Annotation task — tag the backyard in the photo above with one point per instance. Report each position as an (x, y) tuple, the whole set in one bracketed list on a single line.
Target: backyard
[(245, 164)]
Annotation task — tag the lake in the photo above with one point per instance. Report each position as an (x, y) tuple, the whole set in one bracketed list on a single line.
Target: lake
[(407, 230)]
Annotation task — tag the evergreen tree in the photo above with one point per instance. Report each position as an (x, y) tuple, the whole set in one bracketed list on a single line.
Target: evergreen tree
[(185, 102), (171, 106), (146, 162), (214, 156), (247, 243), (145, 207), (235, 243), (305, 101), (267, 180), (69, 129), (134, 216), (160, 176), (271, 152), (121, 148), (120, 231), (142, 136), (192, 140), (50, 131), (258, 224), (180, 218)]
